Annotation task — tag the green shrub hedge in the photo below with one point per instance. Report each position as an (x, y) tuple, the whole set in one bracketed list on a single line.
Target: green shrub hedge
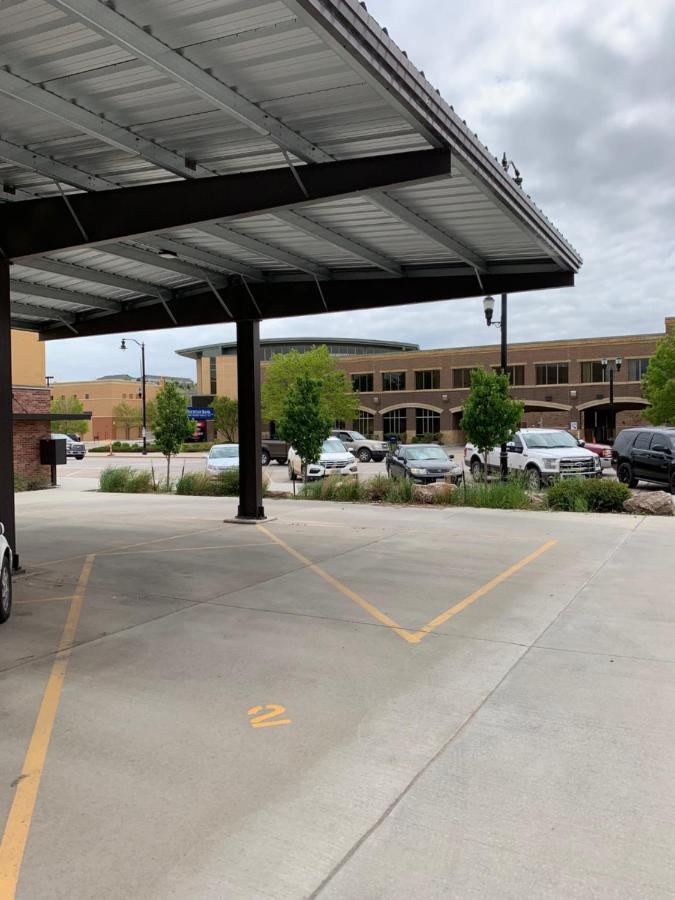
[(125, 447), (125, 480), (587, 495), (35, 483)]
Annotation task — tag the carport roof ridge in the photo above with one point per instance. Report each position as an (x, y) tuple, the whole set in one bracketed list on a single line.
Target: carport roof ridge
[(375, 192)]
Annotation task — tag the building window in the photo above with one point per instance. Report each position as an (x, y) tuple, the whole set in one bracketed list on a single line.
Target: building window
[(516, 374), (86, 396), (213, 379), (427, 422), (339, 424), (363, 382), (393, 381), (394, 422), (365, 423), (552, 373), (592, 372), (637, 369), (461, 378), (428, 380)]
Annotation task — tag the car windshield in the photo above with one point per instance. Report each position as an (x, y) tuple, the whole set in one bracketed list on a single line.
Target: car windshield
[(224, 452), (426, 453), (549, 439), (356, 436), (60, 437), (332, 445)]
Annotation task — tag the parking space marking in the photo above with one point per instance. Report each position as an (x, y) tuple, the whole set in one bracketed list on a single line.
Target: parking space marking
[(339, 586), (267, 719), (43, 600), (411, 637), (18, 824), (481, 592)]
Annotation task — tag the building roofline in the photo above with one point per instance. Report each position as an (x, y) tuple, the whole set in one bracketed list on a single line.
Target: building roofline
[(191, 352)]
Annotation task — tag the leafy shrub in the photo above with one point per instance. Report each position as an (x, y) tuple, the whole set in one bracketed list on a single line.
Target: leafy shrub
[(587, 495), (493, 495), (201, 484), (401, 490), (428, 438), (125, 480), (34, 483), (377, 488)]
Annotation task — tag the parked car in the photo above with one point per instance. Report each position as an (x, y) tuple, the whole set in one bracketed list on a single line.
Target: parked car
[(73, 448), (543, 454), (222, 457), (333, 460), (423, 463), (645, 454), (604, 451), (5, 577), (363, 448), (274, 449)]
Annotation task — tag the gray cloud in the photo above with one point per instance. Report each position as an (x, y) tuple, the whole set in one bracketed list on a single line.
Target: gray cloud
[(581, 96)]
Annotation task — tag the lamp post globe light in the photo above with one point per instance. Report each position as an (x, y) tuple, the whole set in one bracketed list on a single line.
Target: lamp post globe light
[(488, 309), (123, 346)]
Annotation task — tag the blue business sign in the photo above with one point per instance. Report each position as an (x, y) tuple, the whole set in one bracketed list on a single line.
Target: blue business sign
[(200, 412)]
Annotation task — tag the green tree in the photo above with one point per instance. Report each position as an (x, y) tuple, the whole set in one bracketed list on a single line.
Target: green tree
[(172, 425), (490, 415), (226, 417), (150, 413), (658, 384), (69, 405), (128, 416), (303, 421), (336, 394)]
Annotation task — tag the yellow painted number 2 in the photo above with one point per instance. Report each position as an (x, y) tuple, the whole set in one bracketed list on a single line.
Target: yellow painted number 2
[(269, 717)]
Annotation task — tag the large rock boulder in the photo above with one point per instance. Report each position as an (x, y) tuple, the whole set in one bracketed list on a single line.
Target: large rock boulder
[(436, 492), (650, 503)]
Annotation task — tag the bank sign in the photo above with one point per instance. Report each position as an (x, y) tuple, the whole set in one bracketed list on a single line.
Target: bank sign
[(200, 412)]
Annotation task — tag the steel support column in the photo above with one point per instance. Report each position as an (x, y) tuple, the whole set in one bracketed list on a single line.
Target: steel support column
[(6, 422), (248, 380)]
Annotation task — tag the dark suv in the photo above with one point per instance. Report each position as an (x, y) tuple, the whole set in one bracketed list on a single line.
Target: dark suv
[(645, 454)]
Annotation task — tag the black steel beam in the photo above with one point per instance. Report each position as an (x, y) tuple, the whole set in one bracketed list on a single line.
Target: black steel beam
[(47, 224), (6, 416), (300, 298), (248, 380)]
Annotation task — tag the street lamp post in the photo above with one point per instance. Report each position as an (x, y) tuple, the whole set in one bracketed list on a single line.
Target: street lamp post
[(489, 308), (612, 415), (123, 346)]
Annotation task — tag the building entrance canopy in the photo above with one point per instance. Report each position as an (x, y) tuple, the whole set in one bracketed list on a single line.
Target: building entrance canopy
[(182, 164)]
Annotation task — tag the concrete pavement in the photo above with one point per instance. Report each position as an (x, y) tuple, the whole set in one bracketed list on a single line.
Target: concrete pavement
[(253, 713)]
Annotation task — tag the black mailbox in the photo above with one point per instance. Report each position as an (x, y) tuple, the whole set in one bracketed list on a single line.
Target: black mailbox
[(53, 452)]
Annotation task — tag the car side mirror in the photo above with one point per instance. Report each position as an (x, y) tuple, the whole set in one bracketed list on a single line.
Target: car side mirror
[(581, 443), (512, 448)]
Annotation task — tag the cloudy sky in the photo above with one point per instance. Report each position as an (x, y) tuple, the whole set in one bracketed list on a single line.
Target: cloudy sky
[(582, 97)]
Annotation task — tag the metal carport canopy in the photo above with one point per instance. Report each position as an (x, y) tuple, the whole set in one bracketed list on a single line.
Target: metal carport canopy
[(185, 163)]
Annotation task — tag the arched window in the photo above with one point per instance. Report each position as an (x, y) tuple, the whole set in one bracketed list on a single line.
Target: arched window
[(427, 422), (365, 423), (394, 422)]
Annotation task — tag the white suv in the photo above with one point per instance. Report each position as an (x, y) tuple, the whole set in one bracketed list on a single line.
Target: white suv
[(543, 454), (5, 577), (334, 460)]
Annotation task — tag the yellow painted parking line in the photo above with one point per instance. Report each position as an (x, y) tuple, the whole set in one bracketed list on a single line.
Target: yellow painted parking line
[(42, 600), (481, 592), (18, 824), (412, 637), (339, 586)]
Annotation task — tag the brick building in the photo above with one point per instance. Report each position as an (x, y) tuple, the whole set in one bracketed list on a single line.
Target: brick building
[(30, 405), (406, 390)]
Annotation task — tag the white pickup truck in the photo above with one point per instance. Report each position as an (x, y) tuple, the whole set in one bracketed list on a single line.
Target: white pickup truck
[(543, 454)]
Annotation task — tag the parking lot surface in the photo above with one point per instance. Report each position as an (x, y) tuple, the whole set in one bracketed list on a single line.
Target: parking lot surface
[(347, 702)]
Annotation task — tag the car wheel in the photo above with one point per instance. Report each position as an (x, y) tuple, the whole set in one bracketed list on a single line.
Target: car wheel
[(364, 455), (5, 590), (79, 457), (291, 473), (282, 461), (265, 457), (476, 469), (625, 475), (533, 476)]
